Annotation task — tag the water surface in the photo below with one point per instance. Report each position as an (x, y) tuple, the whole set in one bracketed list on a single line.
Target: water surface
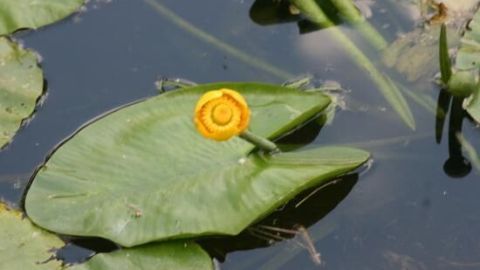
[(405, 212)]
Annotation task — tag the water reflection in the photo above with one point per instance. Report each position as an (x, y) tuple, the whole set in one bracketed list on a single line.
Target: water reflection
[(302, 212), (270, 12), (456, 166)]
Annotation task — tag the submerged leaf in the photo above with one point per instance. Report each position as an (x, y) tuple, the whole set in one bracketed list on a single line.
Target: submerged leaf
[(386, 86), (470, 150), (19, 14), (158, 256), (21, 84), (23, 245), (143, 173)]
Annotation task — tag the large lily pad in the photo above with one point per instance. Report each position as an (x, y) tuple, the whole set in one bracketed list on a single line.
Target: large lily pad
[(143, 173), (23, 245), (21, 83), (19, 14), (158, 256)]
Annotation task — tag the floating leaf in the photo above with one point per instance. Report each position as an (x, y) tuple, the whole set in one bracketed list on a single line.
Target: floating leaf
[(472, 105), (19, 14), (21, 83), (468, 55), (158, 256), (23, 245), (143, 173), (468, 58)]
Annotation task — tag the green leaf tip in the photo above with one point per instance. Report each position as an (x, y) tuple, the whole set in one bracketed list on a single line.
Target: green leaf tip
[(444, 57)]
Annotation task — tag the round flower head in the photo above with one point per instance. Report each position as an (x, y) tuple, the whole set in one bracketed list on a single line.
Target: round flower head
[(221, 114)]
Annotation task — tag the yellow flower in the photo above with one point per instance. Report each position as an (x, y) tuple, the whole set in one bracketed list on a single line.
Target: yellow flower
[(221, 114)]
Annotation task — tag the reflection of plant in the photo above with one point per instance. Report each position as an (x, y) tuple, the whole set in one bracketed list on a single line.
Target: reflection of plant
[(387, 87), (458, 84)]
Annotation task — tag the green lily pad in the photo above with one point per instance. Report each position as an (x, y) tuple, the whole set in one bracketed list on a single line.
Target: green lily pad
[(19, 14), (468, 58), (21, 84), (25, 246), (143, 173), (158, 256), (472, 105), (468, 55)]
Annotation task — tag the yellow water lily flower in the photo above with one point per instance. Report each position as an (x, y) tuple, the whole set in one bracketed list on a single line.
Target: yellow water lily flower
[(221, 114)]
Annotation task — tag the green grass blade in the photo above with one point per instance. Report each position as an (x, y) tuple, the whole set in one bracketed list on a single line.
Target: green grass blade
[(388, 88), (352, 15), (445, 64)]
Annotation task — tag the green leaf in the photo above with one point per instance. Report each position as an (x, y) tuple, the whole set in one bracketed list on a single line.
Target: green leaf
[(470, 150), (19, 14), (463, 83), (158, 256), (445, 65), (23, 245), (143, 173), (21, 84), (472, 105), (468, 55)]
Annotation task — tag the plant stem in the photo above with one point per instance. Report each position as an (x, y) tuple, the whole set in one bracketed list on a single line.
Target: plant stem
[(261, 142)]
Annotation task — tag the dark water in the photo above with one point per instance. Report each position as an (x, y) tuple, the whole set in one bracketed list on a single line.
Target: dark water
[(405, 212)]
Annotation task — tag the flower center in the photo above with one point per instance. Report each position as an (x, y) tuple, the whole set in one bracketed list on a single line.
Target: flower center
[(222, 114)]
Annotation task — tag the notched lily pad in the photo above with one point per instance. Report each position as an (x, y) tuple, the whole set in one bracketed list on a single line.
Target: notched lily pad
[(25, 246), (21, 84), (144, 174), (19, 14)]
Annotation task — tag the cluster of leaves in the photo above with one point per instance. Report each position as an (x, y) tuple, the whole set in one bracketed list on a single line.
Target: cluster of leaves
[(153, 178), (144, 185), (464, 80)]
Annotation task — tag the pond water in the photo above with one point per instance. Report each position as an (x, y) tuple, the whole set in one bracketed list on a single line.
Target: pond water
[(406, 211)]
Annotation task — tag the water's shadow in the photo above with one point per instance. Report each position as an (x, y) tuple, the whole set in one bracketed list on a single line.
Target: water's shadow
[(303, 211), (270, 12), (456, 165)]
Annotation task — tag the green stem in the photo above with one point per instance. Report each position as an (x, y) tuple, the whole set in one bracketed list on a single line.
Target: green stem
[(261, 142), (388, 89), (215, 42)]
